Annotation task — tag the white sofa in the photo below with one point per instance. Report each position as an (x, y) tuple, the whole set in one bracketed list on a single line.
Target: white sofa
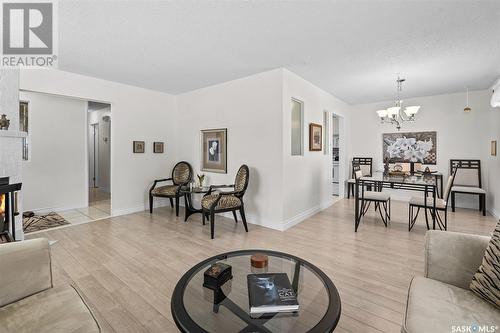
[(442, 301), (28, 300)]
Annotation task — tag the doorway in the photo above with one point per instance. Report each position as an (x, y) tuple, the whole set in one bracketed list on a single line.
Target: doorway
[(335, 156), (99, 157)]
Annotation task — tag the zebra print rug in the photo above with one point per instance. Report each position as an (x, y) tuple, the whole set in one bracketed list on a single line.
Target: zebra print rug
[(42, 222)]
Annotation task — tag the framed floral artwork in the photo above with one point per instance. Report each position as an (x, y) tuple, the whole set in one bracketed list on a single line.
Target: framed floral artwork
[(315, 137), (416, 147), (214, 150)]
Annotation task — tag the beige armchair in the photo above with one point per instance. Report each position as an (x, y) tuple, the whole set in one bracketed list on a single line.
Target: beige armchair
[(28, 300), (442, 299)]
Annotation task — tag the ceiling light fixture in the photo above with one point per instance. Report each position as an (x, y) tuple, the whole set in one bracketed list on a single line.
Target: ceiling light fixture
[(396, 114), (467, 109)]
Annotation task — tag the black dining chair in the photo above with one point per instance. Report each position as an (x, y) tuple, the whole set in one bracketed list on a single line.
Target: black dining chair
[(427, 203), (365, 164), (381, 200), (468, 181)]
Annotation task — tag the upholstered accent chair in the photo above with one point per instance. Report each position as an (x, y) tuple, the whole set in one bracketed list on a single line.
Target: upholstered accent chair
[(468, 181), (182, 174), (442, 298), (427, 203), (226, 201), (365, 164), (381, 200), (28, 300)]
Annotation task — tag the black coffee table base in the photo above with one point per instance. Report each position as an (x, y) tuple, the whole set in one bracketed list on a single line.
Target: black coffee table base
[(189, 209)]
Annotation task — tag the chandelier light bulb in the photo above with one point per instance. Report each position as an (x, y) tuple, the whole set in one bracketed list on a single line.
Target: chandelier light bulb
[(393, 111), (411, 110), (382, 113)]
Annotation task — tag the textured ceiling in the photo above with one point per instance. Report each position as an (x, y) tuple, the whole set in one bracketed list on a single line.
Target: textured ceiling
[(352, 49)]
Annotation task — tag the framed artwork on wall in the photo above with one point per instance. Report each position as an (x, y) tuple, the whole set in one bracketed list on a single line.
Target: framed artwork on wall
[(214, 150), (315, 137), (494, 148), (139, 147), (158, 147), (411, 147)]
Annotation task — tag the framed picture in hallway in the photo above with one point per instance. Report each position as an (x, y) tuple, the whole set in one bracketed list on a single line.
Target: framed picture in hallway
[(214, 150), (158, 147), (138, 147), (315, 137)]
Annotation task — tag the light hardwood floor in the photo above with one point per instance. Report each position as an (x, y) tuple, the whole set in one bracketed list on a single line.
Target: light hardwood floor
[(128, 266)]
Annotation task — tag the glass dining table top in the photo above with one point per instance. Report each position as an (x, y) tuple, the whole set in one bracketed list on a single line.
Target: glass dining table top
[(416, 179)]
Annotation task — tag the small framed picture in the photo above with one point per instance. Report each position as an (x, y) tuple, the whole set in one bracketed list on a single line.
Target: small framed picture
[(158, 147), (139, 147), (494, 148), (214, 150), (315, 137)]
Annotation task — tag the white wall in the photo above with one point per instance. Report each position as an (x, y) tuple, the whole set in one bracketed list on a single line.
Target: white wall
[(138, 114), (459, 134), (308, 179), (492, 179), (250, 108), (283, 190), (55, 176), (103, 156)]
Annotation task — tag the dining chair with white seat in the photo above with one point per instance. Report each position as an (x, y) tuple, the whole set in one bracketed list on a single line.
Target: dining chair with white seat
[(426, 202), (381, 200), (366, 166), (468, 181)]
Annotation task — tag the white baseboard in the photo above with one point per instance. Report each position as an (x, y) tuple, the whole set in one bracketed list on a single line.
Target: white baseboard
[(53, 209), (252, 219), (157, 203), (306, 214), (495, 214)]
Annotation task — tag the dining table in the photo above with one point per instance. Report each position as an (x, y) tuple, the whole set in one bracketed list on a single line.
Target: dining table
[(429, 183)]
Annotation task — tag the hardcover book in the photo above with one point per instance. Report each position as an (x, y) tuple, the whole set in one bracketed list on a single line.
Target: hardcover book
[(269, 293)]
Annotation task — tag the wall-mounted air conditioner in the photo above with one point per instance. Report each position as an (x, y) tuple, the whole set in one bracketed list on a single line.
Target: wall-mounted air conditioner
[(495, 97)]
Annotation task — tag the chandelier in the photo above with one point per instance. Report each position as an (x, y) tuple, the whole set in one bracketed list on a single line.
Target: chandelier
[(396, 114)]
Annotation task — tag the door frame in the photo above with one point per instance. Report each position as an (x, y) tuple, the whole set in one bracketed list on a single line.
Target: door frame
[(343, 167), (94, 169)]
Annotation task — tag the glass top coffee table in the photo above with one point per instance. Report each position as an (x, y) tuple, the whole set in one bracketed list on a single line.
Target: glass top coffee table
[(199, 309)]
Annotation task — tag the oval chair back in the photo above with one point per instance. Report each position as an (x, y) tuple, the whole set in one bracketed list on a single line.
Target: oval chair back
[(182, 173), (241, 180)]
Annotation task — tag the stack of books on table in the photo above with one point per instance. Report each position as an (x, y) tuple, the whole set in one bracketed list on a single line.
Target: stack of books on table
[(271, 293)]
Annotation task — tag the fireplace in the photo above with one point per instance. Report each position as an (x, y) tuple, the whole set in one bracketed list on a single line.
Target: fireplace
[(2, 208), (8, 209)]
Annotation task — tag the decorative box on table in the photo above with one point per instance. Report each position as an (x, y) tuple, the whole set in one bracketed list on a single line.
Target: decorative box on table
[(216, 275)]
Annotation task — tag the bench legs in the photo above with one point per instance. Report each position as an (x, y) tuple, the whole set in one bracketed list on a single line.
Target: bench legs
[(482, 203)]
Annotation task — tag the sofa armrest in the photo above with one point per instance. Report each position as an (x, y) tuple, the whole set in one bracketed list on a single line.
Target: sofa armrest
[(25, 269), (453, 257)]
